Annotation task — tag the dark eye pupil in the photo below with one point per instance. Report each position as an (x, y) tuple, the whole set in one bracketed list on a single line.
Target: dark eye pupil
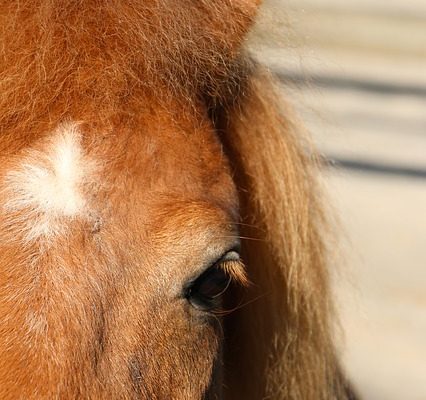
[(213, 283), (205, 293)]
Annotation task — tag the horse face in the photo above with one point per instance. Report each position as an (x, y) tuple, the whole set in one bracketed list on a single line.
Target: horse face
[(176, 240), (118, 233), (119, 245)]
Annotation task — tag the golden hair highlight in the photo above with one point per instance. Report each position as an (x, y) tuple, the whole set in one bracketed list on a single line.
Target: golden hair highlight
[(280, 345)]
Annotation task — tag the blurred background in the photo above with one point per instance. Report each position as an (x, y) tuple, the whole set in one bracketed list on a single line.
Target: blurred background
[(356, 73)]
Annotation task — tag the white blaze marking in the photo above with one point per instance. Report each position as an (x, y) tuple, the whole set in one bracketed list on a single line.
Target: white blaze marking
[(47, 185)]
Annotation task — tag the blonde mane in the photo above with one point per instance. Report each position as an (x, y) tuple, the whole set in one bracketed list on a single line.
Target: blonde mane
[(284, 335)]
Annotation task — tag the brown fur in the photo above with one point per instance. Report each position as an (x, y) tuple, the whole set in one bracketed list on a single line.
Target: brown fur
[(162, 90)]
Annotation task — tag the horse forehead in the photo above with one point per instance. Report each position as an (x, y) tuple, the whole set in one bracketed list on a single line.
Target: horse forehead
[(58, 180), (45, 185), (164, 157)]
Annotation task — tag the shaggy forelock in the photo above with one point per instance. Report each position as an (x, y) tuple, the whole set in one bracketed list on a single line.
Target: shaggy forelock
[(58, 54)]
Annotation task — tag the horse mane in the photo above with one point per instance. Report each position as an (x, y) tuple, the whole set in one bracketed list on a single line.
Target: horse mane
[(280, 342), (101, 61)]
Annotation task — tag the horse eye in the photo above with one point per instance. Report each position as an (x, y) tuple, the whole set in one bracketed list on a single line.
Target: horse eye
[(205, 293)]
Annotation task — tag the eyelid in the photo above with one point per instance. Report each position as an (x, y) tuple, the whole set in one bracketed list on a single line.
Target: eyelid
[(231, 255), (231, 263)]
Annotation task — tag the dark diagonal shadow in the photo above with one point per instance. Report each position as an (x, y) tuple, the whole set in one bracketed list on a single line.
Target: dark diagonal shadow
[(377, 168)]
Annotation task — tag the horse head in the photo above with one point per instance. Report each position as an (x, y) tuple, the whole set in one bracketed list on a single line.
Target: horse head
[(148, 173)]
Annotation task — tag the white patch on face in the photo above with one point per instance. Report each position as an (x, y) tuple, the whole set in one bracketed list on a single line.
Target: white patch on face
[(47, 186)]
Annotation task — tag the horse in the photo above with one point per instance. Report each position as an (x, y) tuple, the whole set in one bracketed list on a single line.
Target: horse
[(162, 234)]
